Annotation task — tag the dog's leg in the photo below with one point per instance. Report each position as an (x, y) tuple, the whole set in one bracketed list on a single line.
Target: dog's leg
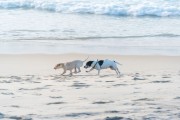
[(75, 70), (71, 73), (90, 70), (115, 69), (118, 71), (79, 70), (98, 68), (98, 72), (63, 72)]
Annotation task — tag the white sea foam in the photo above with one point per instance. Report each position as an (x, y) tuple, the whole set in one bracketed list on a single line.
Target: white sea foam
[(158, 8)]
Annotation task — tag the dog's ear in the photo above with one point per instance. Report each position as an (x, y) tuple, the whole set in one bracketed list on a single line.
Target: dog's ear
[(59, 65), (62, 65)]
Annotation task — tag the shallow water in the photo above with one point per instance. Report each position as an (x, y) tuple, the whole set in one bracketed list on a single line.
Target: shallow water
[(32, 27)]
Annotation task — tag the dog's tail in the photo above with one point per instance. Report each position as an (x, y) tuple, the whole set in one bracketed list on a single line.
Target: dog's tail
[(86, 59), (117, 63)]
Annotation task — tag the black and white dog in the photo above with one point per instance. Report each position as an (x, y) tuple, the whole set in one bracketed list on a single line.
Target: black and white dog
[(102, 64)]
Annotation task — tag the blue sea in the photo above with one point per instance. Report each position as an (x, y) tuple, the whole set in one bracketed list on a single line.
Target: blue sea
[(123, 27)]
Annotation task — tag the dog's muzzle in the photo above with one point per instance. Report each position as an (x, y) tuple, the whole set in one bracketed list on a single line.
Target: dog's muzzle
[(86, 67)]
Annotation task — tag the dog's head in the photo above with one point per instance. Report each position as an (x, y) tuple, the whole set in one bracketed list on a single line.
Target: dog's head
[(60, 65), (88, 64)]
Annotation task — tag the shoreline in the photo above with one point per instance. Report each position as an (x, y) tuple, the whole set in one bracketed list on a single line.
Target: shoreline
[(89, 54)]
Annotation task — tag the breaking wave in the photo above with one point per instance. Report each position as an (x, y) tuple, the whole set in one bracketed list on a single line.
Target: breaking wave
[(159, 8)]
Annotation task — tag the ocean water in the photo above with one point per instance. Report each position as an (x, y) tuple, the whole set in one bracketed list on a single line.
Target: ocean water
[(124, 27)]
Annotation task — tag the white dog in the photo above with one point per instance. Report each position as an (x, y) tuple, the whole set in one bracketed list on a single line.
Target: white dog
[(103, 64), (76, 64)]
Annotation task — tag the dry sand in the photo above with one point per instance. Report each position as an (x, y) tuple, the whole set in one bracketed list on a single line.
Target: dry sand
[(148, 89)]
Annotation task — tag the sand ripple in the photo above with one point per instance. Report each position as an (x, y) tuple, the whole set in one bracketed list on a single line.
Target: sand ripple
[(132, 96)]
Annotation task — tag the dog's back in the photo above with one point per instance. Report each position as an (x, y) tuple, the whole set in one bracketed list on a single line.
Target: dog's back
[(73, 64), (108, 63), (69, 65), (79, 63)]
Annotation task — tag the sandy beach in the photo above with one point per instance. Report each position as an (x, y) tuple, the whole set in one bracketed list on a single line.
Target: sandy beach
[(148, 88), (142, 35)]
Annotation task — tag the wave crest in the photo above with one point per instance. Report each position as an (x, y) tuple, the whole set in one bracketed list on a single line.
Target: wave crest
[(158, 8)]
